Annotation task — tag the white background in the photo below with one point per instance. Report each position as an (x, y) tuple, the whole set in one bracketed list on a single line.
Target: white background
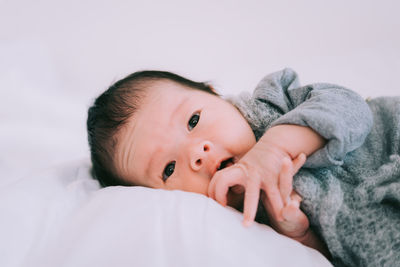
[(57, 56)]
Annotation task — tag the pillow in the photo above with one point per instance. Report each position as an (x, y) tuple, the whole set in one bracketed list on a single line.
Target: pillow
[(61, 217)]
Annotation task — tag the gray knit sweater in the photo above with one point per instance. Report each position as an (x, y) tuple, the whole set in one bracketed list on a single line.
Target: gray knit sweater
[(350, 187)]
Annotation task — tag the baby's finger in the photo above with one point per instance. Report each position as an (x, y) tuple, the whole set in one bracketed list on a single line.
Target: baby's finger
[(229, 177), (211, 186), (213, 183), (298, 162), (286, 180), (275, 199), (251, 197)]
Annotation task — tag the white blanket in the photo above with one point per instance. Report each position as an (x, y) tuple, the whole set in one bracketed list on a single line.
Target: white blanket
[(61, 217)]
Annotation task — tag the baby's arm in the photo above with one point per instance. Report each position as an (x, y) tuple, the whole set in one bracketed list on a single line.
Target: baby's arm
[(329, 117)]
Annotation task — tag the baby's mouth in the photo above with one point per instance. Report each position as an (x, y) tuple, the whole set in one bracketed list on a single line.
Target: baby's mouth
[(226, 163)]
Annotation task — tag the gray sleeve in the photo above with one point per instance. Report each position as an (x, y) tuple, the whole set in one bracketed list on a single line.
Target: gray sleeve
[(338, 114)]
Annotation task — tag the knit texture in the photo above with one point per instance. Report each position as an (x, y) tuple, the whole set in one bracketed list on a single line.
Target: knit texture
[(351, 186)]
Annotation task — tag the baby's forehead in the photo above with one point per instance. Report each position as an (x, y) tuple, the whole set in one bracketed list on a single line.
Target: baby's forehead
[(154, 92), (142, 93)]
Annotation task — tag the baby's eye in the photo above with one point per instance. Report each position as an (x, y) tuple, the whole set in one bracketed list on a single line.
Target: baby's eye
[(193, 121), (168, 171)]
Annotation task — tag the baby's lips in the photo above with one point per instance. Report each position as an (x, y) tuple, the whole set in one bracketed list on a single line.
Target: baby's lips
[(225, 163)]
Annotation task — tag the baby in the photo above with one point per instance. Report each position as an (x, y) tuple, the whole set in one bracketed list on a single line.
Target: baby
[(160, 130)]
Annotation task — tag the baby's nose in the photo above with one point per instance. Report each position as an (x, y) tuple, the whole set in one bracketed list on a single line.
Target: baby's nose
[(200, 155)]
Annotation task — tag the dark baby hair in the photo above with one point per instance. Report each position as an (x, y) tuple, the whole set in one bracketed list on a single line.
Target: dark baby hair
[(112, 109)]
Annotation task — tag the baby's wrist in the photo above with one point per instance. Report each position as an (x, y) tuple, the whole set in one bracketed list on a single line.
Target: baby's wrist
[(272, 146), (287, 137)]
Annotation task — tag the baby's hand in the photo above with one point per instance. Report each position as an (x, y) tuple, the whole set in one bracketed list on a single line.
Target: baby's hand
[(295, 223), (258, 170)]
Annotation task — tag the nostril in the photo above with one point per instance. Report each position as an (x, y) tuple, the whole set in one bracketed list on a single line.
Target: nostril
[(198, 162), (206, 148)]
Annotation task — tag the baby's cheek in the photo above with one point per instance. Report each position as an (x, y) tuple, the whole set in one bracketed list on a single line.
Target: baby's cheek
[(197, 185)]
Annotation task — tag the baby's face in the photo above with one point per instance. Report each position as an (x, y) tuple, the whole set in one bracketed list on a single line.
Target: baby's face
[(180, 138)]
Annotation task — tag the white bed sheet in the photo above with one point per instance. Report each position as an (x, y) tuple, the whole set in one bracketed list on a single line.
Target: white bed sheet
[(61, 217)]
